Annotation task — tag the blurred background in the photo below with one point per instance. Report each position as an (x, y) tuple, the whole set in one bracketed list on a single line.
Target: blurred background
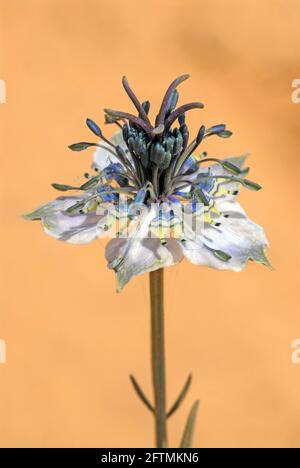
[(71, 340)]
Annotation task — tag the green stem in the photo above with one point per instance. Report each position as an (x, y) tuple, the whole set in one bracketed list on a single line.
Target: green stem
[(158, 355)]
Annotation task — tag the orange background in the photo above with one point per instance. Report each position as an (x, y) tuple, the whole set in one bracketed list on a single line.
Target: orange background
[(71, 340)]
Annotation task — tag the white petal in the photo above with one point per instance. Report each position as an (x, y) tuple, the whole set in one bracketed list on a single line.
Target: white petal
[(73, 228), (103, 157), (198, 254), (60, 204), (185, 190), (237, 236), (140, 254)]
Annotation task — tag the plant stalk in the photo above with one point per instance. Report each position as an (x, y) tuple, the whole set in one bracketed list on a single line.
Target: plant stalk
[(158, 356)]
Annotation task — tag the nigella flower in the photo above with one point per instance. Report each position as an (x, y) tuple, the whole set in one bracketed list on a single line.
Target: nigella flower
[(144, 178)]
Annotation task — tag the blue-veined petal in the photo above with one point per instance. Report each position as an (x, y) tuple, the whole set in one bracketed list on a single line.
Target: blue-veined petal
[(235, 235), (77, 227)]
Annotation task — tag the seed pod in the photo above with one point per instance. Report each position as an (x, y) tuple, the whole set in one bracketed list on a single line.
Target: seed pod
[(185, 135), (178, 144), (157, 154), (167, 160), (169, 144)]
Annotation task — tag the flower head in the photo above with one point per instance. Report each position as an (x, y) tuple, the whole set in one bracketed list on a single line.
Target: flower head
[(157, 196)]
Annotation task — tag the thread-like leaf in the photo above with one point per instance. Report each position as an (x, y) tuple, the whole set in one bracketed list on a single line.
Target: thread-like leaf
[(188, 432), (141, 394), (180, 397)]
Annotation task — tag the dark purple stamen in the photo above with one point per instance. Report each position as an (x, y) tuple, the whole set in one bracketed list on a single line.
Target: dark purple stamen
[(167, 99)]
